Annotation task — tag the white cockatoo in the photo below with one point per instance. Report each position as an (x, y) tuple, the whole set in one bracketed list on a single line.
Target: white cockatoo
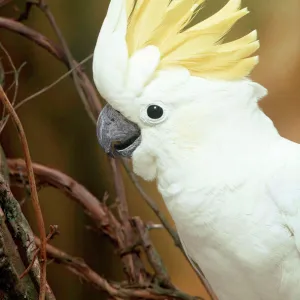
[(181, 105)]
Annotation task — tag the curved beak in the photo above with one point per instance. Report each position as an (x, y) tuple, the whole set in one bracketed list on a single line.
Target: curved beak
[(117, 135)]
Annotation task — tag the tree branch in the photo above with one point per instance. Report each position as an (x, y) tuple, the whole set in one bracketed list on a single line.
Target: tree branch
[(10, 261), (154, 258), (58, 53), (34, 194), (46, 176), (43, 6), (82, 270), (136, 271), (21, 233), (10, 265), (98, 211)]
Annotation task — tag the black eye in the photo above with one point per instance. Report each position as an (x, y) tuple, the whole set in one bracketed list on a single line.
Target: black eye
[(155, 112)]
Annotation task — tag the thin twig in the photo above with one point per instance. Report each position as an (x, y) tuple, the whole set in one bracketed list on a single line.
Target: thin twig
[(153, 256), (151, 203), (58, 53), (43, 90), (34, 194), (15, 72), (34, 36), (52, 233), (81, 269), (43, 6), (15, 83), (51, 85), (135, 271), (120, 189)]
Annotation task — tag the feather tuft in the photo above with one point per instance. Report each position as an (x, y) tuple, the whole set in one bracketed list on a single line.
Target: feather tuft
[(163, 23)]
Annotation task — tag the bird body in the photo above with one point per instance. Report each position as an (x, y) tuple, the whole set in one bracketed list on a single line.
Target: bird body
[(232, 225), (229, 180), (223, 179)]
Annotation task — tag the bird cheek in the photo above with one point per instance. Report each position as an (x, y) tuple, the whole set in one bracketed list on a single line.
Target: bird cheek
[(187, 135), (144, 164)]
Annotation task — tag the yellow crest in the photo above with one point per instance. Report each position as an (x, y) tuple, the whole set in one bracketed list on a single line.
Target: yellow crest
[(199, 49)]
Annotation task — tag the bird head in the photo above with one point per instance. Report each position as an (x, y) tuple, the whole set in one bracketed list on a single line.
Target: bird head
[(159, 74)]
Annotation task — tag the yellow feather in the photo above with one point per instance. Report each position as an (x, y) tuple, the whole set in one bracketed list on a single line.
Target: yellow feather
[(155, 14), (247, 39), (188, 43), (238, 52), (221, 59), (231, 7), (216, 60), (235, 72), (129, 7), (199, 49), (145, 19), (178, 15)]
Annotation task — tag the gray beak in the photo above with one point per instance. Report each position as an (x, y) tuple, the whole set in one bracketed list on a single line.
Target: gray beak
[(117, 135)]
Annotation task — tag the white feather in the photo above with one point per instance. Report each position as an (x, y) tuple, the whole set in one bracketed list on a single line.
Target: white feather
[(111, 54), (142, 66)]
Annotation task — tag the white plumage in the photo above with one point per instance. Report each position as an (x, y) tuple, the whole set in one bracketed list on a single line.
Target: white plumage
[(229, 180)]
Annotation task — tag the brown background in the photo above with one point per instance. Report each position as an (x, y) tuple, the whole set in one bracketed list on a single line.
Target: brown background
[(61, 135)]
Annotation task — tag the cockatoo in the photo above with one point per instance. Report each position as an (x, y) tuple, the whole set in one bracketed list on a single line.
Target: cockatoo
[(180, 103)]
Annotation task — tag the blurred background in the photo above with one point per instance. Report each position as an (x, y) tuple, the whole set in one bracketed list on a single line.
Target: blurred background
[(62, 136)]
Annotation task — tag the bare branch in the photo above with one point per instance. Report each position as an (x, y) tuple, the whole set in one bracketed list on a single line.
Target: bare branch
[(21, 233), (58, 53), (81, 269), (100, 214), (153, 256), (10, 261), (34, 194), (43, 6), (136, 270), (52, 233), (15, 83), (10, 264), (51, 85), (96, 210), (34, 36)]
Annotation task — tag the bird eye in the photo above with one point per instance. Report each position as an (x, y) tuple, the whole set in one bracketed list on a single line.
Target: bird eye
[(155, 112)]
